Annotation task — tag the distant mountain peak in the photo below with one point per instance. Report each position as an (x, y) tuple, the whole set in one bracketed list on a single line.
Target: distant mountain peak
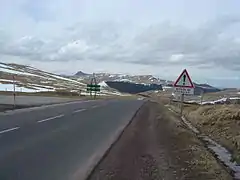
[(80, 73)]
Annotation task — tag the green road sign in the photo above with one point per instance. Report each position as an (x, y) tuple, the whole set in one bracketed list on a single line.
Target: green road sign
[(93, 87)]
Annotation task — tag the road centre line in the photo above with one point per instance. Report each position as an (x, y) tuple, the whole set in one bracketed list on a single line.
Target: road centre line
[(8, 130), (11, 112), (51, 118), (79, 110)]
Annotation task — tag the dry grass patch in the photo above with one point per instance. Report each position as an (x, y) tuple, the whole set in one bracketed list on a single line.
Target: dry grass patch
[(222, 122)]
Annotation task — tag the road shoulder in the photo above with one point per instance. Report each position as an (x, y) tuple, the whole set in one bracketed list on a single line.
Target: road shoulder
[(157, 145)]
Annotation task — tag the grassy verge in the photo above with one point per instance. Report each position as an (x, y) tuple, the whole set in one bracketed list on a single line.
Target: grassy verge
[(220, 122)]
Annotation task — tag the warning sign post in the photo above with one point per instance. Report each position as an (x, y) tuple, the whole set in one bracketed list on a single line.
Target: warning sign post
[(184, 86), (185, 91)]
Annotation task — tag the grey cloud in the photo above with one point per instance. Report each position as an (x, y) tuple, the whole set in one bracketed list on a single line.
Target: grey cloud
[(202, 47), (199, 46)]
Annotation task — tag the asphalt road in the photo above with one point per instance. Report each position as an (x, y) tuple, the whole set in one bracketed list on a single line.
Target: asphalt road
[(60, 142), (32, 100)]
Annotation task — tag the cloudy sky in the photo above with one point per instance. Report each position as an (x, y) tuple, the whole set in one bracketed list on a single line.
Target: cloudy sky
[(159, 37)]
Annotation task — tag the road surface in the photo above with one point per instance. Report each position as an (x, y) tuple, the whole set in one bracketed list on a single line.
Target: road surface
[(60, 142)]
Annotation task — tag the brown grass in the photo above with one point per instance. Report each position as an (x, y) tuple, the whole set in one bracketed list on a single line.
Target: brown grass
[(222, 122)]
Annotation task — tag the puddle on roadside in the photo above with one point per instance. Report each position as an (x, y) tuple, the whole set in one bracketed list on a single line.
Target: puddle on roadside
[(222, 153)]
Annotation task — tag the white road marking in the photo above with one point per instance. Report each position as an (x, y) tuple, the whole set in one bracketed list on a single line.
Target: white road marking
[(51, 118), (11, 112), (79, 110), (8, 130), (95, 106)]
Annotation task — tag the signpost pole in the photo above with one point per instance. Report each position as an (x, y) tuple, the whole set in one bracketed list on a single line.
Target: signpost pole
[(14, 92), (182, 101), (90, 91), (202, 92), (95, 83)]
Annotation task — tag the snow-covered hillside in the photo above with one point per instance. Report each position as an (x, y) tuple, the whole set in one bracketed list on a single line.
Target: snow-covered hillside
[(30, 79)]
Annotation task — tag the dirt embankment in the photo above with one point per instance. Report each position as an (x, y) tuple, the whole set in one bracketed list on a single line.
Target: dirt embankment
[(157, 146)]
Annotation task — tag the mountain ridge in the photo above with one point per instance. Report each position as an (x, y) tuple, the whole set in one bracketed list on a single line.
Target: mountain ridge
[(34, 79), (111, 80)]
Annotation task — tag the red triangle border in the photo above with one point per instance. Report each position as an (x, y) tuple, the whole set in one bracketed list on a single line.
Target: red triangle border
[(184, 71)]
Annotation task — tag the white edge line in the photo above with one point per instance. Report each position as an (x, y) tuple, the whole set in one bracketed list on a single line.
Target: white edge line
[(8, 130), (51, 118), (79, 110)]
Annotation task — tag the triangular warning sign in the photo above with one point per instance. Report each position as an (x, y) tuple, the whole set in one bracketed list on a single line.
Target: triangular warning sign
[(184, 80)]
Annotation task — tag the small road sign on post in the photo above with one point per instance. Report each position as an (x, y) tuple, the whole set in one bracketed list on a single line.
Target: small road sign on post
[(184, 86), (93, 88)]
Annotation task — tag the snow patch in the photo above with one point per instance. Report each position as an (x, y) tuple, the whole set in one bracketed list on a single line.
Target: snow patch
[(40, 86), (66, 79), (9, 87), (5, 66), (6, 80), (167, 88), (222, 100), (124, 80), (12, 71), (103, 84)]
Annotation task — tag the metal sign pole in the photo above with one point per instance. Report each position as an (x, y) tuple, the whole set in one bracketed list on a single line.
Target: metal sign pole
[(95, 93), (95, 83), (14, 92), (182, 100), (202, 92), (90, 91)]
